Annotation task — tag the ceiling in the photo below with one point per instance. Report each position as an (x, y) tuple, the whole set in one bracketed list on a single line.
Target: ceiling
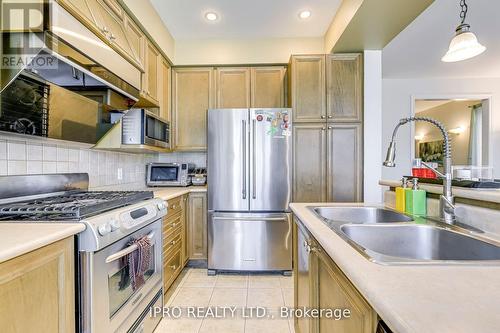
[(422, 105), (246, 19), (416, 52)]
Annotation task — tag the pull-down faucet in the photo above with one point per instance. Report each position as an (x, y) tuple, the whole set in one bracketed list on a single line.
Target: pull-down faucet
[(446, 200)]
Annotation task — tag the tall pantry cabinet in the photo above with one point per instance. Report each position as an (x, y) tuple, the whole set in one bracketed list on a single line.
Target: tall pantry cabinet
[(326, 95)]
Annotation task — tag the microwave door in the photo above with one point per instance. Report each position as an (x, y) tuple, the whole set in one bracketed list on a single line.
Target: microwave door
[(228, 156)]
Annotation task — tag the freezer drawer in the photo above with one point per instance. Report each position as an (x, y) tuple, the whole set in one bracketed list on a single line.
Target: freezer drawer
[(249, 242)]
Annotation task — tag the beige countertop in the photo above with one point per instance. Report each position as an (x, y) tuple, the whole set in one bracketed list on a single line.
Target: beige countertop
[(20, 238), (490, 195), (167, 193), (415, 299)]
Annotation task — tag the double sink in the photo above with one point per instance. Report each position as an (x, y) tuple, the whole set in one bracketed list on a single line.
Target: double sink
[(388, 237)]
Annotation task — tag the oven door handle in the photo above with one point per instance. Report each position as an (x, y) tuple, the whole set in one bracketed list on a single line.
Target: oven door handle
[(126, 250)]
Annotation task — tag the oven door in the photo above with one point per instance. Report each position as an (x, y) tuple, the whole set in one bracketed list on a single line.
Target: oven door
[(114, 301)]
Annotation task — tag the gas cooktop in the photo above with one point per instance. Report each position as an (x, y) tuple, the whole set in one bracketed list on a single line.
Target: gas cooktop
[(70, 206)]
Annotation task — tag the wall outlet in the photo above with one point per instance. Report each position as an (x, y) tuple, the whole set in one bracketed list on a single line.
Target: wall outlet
[(119, 174)]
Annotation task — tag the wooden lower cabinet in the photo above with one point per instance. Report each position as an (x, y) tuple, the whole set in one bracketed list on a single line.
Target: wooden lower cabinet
[(197, 225), (184, 234), (319, 283), (37, 290)]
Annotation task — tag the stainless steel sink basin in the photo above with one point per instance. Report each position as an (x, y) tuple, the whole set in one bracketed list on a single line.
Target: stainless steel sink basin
[(361, 214), (413, 242)]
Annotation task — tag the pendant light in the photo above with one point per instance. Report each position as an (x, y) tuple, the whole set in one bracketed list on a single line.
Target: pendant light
[(464, 45)]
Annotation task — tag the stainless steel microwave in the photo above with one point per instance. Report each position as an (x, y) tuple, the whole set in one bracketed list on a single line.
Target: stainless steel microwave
[(169, 174), (142, 127)]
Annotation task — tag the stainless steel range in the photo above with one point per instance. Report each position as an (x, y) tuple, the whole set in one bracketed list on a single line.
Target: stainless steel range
[(107, 300)]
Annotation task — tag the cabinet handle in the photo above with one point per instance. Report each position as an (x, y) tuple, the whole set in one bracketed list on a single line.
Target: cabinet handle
[(173, 267), (105, 30), (173, 206), (322, 117), (173, 224), (330, 116), (322, 128), (172, 243), (112, 37), (330, 127)]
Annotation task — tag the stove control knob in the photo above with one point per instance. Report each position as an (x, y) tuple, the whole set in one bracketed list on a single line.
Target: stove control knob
[(104, 229), (161, 206), (114, 224)]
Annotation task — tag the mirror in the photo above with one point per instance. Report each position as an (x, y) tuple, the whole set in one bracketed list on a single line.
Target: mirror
[(467, 123)]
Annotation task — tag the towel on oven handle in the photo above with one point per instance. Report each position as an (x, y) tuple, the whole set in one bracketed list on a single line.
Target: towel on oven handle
[(139, 261)]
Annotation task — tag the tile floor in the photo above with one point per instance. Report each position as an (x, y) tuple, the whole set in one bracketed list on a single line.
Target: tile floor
[(195, 288)]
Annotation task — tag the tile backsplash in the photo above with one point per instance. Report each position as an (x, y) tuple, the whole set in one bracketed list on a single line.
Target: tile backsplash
[(20, 156), (198, 158)]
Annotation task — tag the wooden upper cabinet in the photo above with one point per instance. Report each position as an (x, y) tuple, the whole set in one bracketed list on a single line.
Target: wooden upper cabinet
[(309, 162), (81, 10), (345, 160), (308, 95), (164, 96), (268, 87), (150, 77), (333, 290), (232, 87), (112, 27), (37, 290), (193, 95), (136, 40), (344, 87)]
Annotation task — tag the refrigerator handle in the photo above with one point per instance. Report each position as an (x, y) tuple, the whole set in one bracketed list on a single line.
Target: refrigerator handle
[(244, 146), (254, 172)]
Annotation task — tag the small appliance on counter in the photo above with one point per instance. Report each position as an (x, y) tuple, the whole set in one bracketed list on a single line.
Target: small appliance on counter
[(199, 177), (169, 174)]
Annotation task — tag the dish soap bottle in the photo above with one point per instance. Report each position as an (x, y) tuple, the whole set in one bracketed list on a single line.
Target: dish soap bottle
[(401, 195), (416, 200)]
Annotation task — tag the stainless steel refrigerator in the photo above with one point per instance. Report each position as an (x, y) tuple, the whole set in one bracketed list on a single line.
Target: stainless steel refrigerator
[(249, 190)]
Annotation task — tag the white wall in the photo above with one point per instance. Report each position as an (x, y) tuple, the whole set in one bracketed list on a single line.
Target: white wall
[(396, 102), (372, 125), (243, 51)]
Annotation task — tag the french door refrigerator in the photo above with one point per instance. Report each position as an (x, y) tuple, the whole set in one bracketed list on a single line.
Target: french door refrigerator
[(249, 190)]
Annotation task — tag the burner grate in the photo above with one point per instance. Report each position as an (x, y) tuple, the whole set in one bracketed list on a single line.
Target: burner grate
[(71, 206)]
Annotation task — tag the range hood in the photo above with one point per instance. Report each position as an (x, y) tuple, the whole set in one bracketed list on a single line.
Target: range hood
[(69, 55)]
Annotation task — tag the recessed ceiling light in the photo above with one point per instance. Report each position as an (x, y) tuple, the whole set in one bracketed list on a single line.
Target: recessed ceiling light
[(305, 14), (211, 16)]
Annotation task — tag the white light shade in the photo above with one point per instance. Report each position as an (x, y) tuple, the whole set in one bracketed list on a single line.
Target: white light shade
[(463, 46), (211, 16), (304, 14)]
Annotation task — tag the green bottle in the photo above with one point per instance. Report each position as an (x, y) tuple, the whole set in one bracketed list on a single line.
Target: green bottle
[(416, 200)]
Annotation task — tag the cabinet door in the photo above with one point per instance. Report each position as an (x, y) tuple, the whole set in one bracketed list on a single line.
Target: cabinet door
[(192, 96), (136, 40), (302, 276), (309, 162), (344, 87), (164, 96), (112, 26), (345, 178), (334, 291), (81, 10), (152, 63), (308, 88), (268, 87), (37, 290), (233, 87), (197, 219)]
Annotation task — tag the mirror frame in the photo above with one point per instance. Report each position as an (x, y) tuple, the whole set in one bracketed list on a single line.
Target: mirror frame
[(483, 97)]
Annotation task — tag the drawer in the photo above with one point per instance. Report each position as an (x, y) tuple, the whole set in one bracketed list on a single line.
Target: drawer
[(174, 206), (171, 224), (172, 243), (171, 269)]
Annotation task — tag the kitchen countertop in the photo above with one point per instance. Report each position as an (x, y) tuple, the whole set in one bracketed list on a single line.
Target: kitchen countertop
[(19, 238), (489, 195), (167, 193), (415, 299)]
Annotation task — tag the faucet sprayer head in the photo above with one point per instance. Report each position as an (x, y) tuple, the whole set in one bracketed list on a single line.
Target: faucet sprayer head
[(391, 155)]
